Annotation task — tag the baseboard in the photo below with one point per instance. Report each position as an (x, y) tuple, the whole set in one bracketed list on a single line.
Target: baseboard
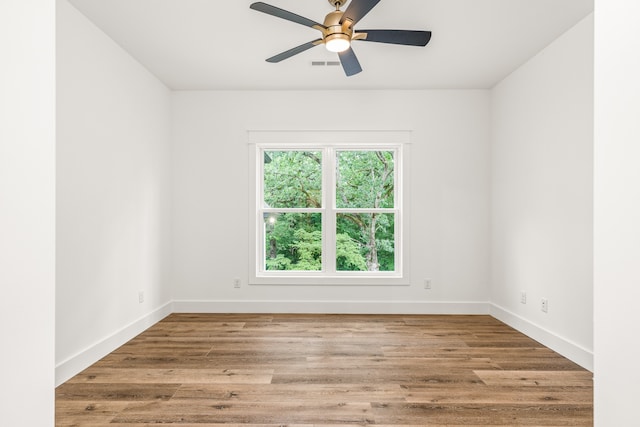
[(331, 307), (77, 363), (563, 346)]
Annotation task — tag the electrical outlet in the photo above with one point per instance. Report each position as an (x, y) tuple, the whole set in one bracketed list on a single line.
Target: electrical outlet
[(236, 283), (140, 297), (523, 297), (544, 305), (427, 283)]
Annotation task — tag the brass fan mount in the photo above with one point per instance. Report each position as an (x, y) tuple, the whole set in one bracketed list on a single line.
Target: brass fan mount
[(337, 3)]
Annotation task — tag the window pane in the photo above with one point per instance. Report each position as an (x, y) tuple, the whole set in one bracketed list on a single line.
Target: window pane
[(365, 242), (293, 241), (364, 179), (293, 179)]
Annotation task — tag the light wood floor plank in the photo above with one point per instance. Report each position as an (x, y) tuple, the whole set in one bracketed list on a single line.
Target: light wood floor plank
[(328, 393), (96, 375)]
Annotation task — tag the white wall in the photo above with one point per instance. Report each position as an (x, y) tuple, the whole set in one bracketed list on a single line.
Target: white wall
[(113, 138), (27, 208), (448, 196), (617, 212), (542, 185)]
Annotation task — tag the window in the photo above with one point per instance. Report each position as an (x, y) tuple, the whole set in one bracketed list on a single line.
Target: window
[(328, 213)]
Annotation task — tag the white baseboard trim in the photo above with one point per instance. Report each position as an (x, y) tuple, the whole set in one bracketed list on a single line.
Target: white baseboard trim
[(563, 346), (331, 307), (85, 358)]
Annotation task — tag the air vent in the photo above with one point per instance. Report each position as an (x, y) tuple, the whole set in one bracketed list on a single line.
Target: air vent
[(324, 63)]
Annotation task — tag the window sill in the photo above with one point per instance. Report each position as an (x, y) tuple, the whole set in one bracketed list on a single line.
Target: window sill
[(291, 280)]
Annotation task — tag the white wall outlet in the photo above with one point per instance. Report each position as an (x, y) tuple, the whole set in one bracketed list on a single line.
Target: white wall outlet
[(236, 283), (140, 297), (427, 283), (523, 297), (544, 305)]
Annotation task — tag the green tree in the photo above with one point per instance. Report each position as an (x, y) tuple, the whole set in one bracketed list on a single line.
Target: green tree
[(294, 241), (364, 241), (365, 179), (293, 179)]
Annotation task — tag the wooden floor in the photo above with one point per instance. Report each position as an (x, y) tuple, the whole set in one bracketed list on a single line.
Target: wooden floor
[(328, 370)]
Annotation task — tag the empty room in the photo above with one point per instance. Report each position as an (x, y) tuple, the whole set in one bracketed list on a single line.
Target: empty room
[(363, 212)]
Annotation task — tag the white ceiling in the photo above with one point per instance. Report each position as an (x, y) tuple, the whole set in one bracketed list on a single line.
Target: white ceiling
[(212, 44)]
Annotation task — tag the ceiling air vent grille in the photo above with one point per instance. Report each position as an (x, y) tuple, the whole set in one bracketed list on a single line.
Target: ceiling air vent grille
[(324, 63)]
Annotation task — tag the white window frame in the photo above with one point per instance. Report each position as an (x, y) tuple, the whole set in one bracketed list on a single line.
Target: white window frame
[(396, 141)]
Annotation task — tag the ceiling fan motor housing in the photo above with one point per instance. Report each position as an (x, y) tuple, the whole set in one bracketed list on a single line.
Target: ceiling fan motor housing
[(335, 30)]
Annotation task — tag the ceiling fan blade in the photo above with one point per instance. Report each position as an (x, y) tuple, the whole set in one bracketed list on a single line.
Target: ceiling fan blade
[(349, 62), (404, 37), (285, 14), (357, 10), (296, 50)]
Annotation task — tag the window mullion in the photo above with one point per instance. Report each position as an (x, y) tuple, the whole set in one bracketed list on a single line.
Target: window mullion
[(329, 230)]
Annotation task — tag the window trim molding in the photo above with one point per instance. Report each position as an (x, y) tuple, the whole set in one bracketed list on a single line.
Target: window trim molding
[(400, 140)]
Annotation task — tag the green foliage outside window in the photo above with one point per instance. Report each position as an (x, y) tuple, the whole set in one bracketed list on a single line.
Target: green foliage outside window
[(364, 180)]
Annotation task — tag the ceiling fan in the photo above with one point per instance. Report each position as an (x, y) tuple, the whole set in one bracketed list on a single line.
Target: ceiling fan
[(338, 32)]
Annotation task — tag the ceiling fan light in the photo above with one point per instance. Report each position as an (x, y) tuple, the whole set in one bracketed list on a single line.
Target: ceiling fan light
[(337, 42)]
